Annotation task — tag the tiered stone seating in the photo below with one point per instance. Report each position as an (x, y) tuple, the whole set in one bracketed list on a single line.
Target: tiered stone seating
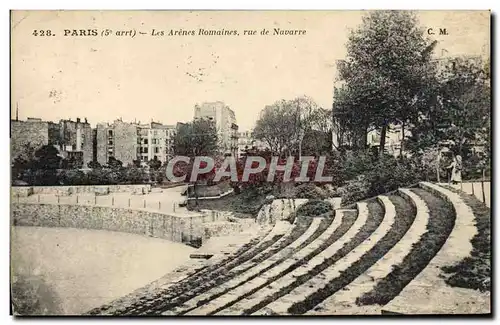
[(244, 277), (344, 301), (301, 292), (336, 266), (288, 279), (428, 293)]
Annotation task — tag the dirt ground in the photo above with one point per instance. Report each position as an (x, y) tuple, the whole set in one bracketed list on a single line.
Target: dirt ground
[(69, 271)]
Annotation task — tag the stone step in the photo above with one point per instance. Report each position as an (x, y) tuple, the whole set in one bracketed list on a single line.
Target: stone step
[(244, 277), (300, 293), (289, 278), (368, 280), (428, 293)]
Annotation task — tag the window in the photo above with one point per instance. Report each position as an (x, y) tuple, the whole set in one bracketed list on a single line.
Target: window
[(145, 150), (145, 141), (110, 133), (157, 150), (110, 142)]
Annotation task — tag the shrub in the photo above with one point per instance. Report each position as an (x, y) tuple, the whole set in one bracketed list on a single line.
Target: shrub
[(379, 175), (355, 190), (313, 208), (72, 177), (310, 191)]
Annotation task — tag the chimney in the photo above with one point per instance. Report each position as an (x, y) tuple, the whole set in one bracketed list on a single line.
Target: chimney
[(17, 111)]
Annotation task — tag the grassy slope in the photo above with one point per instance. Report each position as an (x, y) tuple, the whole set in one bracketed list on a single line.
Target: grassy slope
[(376, 214), (474, 272), (438, 230), (405, 215)]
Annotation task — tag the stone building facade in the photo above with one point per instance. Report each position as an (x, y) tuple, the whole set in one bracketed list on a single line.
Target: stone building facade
[(33, 133), (73, 139), (134, 141), (225, 123)]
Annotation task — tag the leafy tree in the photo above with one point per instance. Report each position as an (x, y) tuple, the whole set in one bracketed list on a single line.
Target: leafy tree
[(94, 165), (283, 124), (154, 163), (387, 70), (24, 161), (71, 163), (198, 138), (114, 163), (47, 158), (461, 118)]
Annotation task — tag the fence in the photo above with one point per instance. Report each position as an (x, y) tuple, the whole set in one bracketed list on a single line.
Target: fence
[(118, 201)]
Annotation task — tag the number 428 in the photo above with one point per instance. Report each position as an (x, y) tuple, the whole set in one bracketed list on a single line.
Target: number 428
[(47, 32)]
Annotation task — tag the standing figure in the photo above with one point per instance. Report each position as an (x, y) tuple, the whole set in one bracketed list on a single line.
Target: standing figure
[(456, 170)]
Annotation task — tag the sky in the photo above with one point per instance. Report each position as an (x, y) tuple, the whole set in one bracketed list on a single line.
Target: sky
[(161, 78)]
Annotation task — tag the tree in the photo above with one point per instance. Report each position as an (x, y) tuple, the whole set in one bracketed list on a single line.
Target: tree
[(47, 158), (155, 173), (94, 165), (24, 161), (114, 163), (198, 138), (283, 124), (387, 70), (154, 163), (461, 117)]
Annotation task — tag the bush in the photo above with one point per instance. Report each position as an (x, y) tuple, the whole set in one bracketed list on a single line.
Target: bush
[(378, 175), (310, 191), (314, 208), (72, 177), (355, 190)]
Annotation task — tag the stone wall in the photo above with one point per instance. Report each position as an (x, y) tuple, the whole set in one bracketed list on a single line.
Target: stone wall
[(279, 209), (184, 229), (68, 190), (34, 133), (210, 191)]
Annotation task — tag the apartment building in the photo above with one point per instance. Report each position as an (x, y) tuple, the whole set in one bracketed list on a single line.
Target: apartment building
[(156, 141), (33, 133), (225, 123), (247, 141), (134, 141), (73, 139)]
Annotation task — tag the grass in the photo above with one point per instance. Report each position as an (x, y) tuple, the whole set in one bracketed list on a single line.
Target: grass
[(248, 202), (321, 228), (376, 214), (441, 222), (300, 228), (474, 272), (347, 222), (405, 214)]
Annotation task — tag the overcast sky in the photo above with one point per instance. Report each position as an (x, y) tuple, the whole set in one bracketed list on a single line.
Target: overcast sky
[(162, 78)]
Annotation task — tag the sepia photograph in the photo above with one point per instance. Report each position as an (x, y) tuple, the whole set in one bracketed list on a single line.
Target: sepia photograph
[(307, 163)]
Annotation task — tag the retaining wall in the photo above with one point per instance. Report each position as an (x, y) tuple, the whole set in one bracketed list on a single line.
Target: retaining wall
[(183, 229), (68, 190)]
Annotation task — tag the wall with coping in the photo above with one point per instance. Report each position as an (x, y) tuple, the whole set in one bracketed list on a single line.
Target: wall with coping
[(68, 190), (183, 229)]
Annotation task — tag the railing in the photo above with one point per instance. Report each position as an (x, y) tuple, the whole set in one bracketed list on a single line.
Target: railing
[(118, 201)]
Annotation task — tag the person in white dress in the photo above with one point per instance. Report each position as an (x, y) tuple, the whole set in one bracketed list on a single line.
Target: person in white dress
[(456, 170)]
